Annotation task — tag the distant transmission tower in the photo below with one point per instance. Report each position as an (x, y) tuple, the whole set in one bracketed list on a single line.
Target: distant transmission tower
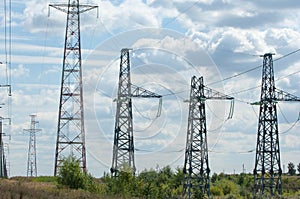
[(123, 149), (196, 168), (267, 171), (70, 130), (31, 163)]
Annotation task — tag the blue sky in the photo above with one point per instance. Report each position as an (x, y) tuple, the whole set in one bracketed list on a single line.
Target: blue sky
[(171, 41)]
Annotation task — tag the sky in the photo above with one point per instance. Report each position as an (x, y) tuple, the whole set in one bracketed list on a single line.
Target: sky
[(171, 41)]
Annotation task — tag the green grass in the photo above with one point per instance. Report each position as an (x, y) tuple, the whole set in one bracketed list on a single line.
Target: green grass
[(45, 179)]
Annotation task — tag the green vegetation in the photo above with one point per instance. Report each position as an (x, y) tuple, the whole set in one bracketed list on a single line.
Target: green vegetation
[(148, 184), (72, 176), (162, 183), (291, 169)]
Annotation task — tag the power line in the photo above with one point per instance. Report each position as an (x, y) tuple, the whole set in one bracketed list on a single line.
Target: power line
[(283, 115), (5, 39), (289, 129), (232, 152), (286, 120), (294, 73), (7, 36), (10, 44), (254, 68), (236, 75), (241, 53), (286, 55), (245, 90), (152, 151), (182, 12), (258, 86), (237, 92)]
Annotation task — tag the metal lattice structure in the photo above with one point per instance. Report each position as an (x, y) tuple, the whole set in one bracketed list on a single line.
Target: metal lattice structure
[(31, 162), (70, 130), (267, 171), (123, 148), (3, 168), (196, 165)]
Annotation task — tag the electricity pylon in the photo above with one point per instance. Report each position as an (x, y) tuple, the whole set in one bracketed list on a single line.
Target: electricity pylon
[(3, 165), (267, 170), (196, 167), (31, 163), (70, 130), (3, 169), (123, 149)]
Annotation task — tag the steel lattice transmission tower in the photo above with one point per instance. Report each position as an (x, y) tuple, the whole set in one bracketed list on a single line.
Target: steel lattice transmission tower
[(267, 171), (123, 148), (70, 130), (3, 163), (196, 166), (31, 163), (3, 168)]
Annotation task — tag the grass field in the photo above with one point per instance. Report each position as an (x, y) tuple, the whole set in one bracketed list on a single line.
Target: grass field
[(40, 187), (47, 187)]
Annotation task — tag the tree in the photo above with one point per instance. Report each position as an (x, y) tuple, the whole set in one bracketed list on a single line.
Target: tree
[(291, 169), (298, 168), (214, 178), (149, 182)]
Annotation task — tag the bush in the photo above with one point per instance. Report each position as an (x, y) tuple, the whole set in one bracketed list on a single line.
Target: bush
[(216, 191), (224, 187), (72, 176), (291, 169)]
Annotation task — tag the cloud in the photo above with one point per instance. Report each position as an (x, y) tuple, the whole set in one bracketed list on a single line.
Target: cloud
[(35, 16), (289, 77), (20, 71), (276, 5), (117, 16)]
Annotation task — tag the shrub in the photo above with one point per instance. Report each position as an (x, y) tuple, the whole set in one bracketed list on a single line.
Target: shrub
[(72, 176), (224, 187), (291, 169)]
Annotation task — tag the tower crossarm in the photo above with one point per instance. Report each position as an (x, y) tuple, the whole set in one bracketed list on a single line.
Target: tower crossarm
[(8, 86), (139, 92), (213, 94), (64, 7), (281, 95)]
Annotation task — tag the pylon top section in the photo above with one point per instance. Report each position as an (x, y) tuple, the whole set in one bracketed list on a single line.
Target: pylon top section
[(33, 123), (269, 92), (267, 54), (206, 92), (76, 8)]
